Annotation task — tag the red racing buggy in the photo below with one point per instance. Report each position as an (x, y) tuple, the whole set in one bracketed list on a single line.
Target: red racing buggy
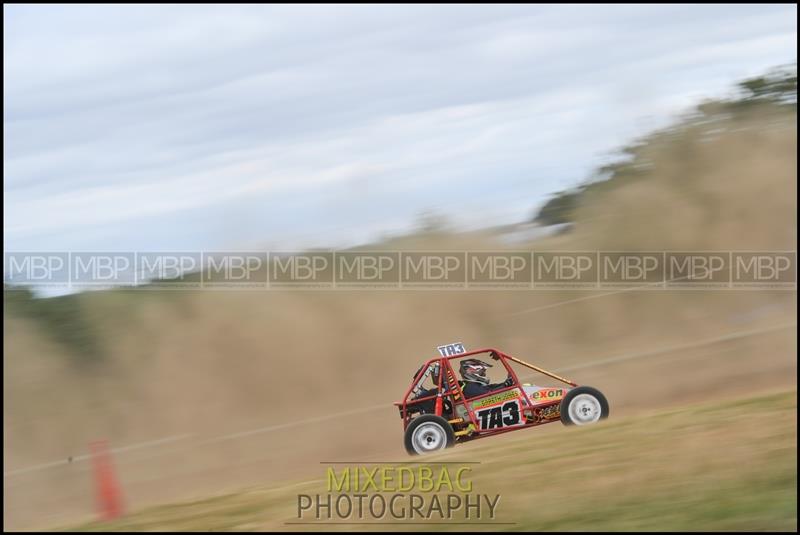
[(436, 414)]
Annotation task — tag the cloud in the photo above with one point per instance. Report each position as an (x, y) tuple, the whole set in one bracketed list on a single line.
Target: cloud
[(119, 116)]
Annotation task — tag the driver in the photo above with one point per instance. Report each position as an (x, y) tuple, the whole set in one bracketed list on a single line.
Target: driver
[(473, 372)]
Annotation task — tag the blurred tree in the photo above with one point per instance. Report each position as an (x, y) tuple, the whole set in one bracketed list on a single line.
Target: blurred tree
[(62, 318), (777, 87), (429, 221), (559, 209)]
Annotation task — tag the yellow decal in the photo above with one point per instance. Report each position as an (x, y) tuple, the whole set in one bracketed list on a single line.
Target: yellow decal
[(495, 399)]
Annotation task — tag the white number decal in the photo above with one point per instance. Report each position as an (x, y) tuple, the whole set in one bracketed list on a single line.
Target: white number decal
[(449, 350)]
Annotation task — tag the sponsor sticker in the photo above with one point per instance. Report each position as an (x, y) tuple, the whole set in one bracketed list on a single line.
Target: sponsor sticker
[(495, 399), (548, 413), (546, 394)]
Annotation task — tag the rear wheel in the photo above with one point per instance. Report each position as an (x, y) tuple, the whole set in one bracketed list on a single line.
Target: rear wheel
[(428, 433), (583, 405)]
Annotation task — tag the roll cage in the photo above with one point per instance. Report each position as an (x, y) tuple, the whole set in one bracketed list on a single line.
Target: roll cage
[(449, 395)]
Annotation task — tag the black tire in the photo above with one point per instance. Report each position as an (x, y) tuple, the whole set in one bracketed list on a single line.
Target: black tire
[(566, 419), (433, 425)]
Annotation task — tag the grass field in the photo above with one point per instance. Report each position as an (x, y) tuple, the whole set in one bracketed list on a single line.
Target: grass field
[(715, 466)]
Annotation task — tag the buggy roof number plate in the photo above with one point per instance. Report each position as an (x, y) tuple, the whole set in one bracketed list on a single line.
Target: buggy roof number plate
[(448, 350)]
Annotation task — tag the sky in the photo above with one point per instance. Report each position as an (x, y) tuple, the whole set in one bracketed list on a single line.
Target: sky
[(213, 127)]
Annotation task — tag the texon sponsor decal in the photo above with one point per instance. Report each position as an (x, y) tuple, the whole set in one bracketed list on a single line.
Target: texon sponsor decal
[(546, 394)]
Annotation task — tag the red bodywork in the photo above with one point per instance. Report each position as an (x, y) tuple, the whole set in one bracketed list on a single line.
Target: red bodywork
[(467, 424)]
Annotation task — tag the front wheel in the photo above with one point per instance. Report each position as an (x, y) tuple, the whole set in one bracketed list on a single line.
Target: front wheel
[(583, 405), (428, 433)]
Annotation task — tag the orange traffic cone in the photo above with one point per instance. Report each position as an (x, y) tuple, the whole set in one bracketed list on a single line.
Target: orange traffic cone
[(109, 495)]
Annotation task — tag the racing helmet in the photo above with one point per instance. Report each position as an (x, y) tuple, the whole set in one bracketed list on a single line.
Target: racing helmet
[(474, 370)]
